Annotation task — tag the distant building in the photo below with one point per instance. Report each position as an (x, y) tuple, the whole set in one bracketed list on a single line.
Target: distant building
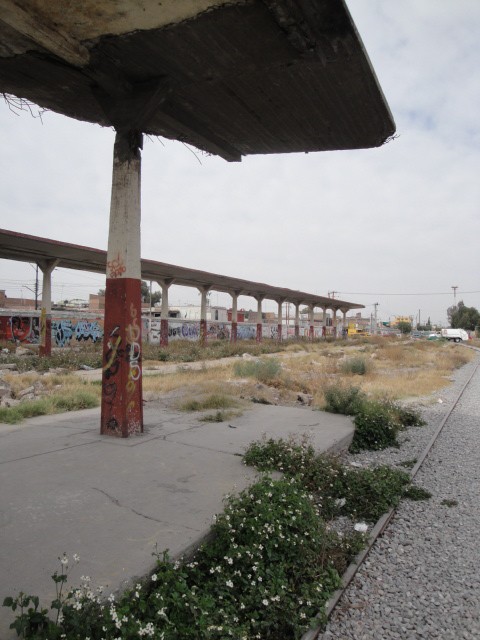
[(15, 303)]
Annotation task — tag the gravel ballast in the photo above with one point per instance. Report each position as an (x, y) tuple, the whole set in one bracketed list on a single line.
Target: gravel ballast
[(421, 579)]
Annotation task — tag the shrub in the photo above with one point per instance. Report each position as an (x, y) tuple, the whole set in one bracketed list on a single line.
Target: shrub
[(376, 427), (343, 399), (356, 366), (264, 370), (369, 493), (339, 490), (213, 401)]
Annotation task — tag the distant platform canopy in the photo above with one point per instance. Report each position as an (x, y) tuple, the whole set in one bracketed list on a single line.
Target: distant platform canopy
[(27, 248), (230, 77)]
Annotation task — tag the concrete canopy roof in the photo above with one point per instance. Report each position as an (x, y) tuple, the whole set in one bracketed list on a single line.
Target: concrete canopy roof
[(231, 77), (26, 248)]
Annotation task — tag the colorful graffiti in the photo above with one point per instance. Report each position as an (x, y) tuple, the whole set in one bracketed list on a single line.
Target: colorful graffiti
[(186, 330), (133, 355), (218, 331), (82, 330), (246, 331), (28, 329), (20, 329)]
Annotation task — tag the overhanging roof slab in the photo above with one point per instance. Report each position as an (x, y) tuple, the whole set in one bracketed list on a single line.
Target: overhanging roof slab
[(236, 78)]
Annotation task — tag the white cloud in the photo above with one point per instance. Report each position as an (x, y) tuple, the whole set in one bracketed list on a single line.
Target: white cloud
[(400, 219)]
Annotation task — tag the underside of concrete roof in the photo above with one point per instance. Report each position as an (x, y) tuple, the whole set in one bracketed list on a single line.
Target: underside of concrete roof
[(230, 78)]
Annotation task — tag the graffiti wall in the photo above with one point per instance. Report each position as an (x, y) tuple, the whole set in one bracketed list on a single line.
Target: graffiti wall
[(24, 329), (65, 329), (64, 332), (68, 331)]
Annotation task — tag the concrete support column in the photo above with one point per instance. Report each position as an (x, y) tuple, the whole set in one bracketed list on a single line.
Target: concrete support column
[(297, 321), (203, 314), (47, 267), (334, 324), (259, 318), (324, 323), (233, 334), (279, 317), (122, 405), (344, 323), (312, 321), (165, 285)]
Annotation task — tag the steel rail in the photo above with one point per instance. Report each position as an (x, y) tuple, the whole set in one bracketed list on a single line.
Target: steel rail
[(383, 522)]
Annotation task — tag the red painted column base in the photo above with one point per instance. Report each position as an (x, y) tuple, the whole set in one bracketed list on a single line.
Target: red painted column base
[(335, 332), (122, 401), (297, 331), (233, 335), (312, 332), (164, 332), (45, 349), (203, 332), (279, 332), (259, 332)]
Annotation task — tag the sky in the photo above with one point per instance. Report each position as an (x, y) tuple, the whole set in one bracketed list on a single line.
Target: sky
[(397, 225)]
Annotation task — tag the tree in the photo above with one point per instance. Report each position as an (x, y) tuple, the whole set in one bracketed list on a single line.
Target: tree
[(404, 327), (145, 293), (462, 317), (101, 292)]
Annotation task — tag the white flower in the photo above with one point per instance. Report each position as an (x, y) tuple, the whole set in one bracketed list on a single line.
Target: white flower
[(76, 558), (229, 583), (361, 526), (64, 560), (340, 502), (154, 577), (265, 602)]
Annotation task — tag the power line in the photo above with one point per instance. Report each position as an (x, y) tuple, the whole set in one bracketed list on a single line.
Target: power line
[(438, 293)]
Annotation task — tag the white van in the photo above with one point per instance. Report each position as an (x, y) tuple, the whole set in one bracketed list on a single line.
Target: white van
[(455, 335)]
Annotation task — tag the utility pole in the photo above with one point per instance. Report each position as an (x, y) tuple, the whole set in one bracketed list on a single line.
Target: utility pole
[(331, 294), (375, 327), (455, 294)]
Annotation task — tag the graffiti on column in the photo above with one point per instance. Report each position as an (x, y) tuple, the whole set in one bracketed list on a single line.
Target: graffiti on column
[(112, 357), (115, 267), (133, 352), (246, 331)]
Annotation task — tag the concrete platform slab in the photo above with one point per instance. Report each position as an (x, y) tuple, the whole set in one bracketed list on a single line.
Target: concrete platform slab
[(65, 488)]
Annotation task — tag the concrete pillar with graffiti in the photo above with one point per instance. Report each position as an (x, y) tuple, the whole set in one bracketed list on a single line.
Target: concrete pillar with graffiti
[(311, 310), (334, 322), (233, 334), (203, 314), (47, 267), (344, 323), (165, 284), (297, 320), (324, 323), (280, 302), (122, 406), (259, 318)]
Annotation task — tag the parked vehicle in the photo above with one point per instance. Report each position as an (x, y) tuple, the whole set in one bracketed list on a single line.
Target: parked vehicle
[(455, 335)]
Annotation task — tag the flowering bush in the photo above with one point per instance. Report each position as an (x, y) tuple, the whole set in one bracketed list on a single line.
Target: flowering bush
[(265, 573), (338, 489)]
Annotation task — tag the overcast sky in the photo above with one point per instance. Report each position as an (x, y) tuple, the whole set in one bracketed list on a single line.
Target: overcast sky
[(398, 225)]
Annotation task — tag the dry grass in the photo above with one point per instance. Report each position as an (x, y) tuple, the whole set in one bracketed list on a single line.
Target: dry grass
[(396, 369)]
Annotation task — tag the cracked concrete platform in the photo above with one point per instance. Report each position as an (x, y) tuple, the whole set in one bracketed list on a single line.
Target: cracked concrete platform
[(65, 488)]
